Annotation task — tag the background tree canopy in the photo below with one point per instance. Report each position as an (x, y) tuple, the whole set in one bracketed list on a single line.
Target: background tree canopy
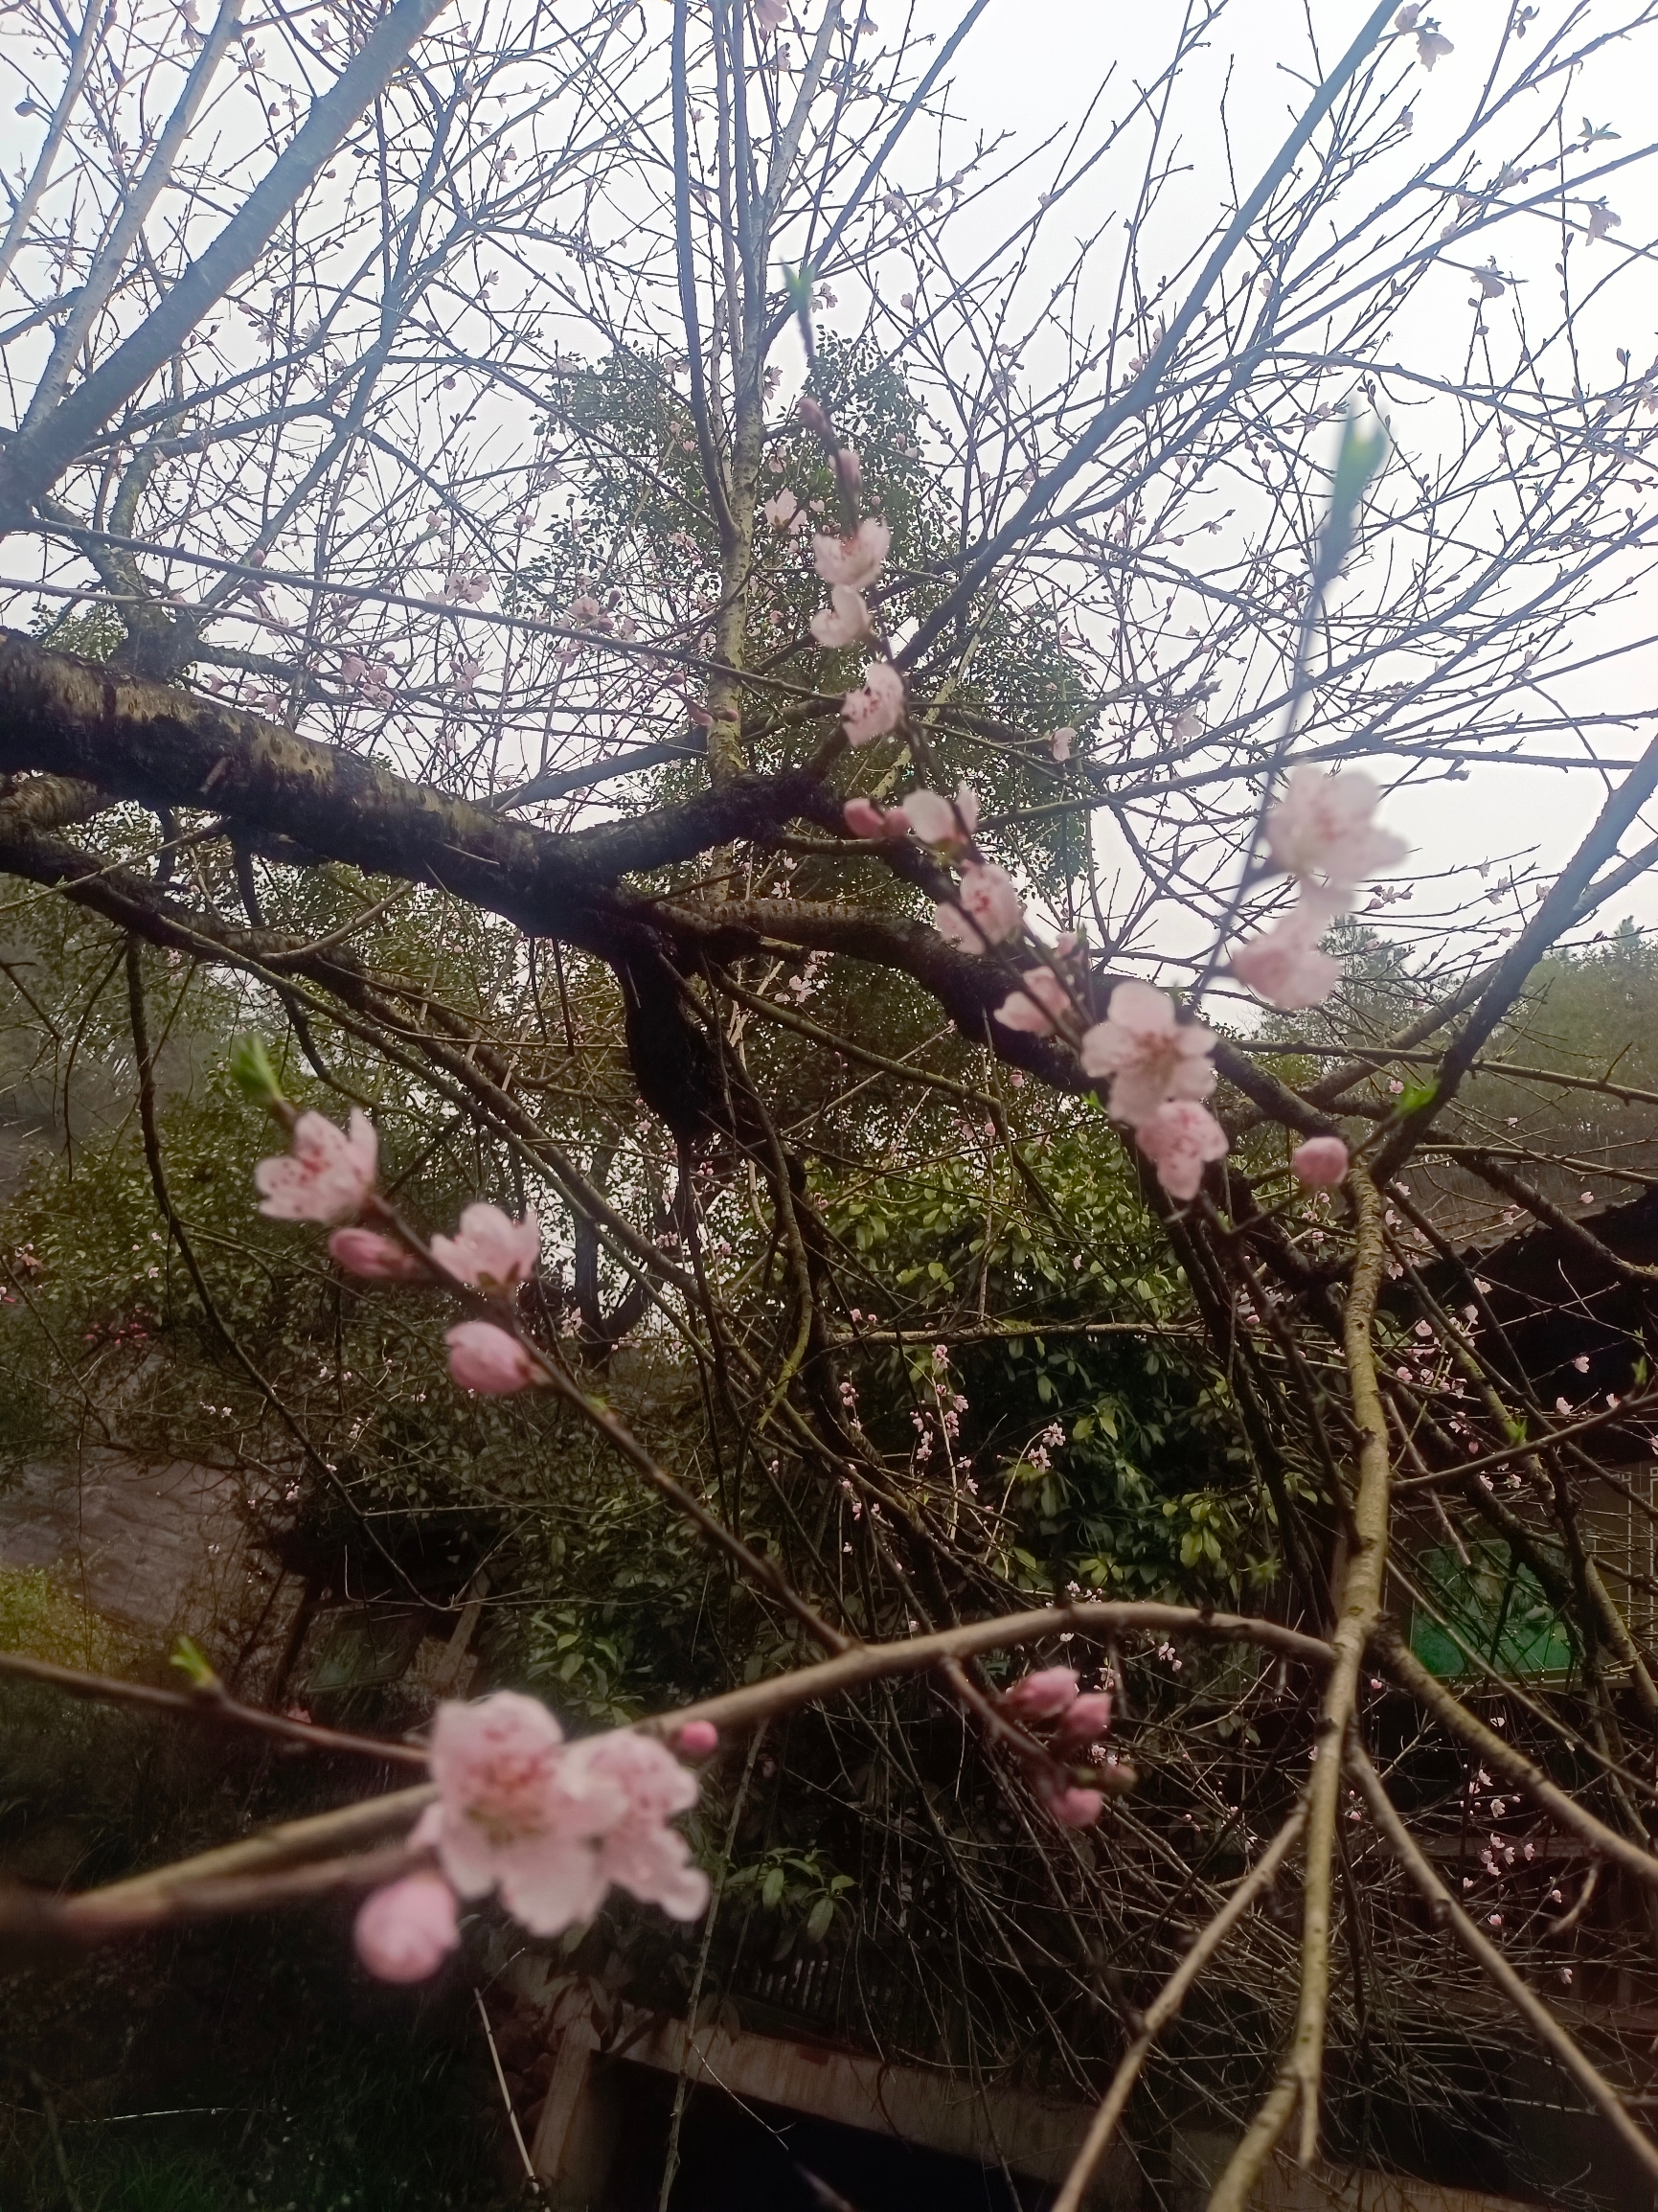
[(431, 440)]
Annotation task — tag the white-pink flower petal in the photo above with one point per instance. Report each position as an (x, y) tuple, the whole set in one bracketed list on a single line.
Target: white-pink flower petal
[(876, 708), (1146, 1053), (328, 1174), (854, 562), (1179, 1140)]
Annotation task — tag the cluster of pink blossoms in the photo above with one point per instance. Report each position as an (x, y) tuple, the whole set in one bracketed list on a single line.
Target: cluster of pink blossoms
[(1320, 834), (331, 1174), (1156, 1065), (849, 566), (1158, 1069), (550, 1826), (1072, 1723)]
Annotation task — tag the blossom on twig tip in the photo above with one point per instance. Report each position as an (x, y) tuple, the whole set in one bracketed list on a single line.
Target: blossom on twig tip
[(492, 1252), (325, 1177)]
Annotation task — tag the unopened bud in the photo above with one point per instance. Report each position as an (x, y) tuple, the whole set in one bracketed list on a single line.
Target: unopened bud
[(849, 468), (813, 418), (252, 1073)]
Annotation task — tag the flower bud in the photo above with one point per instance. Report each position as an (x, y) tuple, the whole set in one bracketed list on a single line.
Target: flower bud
[(864, 819), (485, 1358), (1088, 1718), (1041, 1696), (696, 1740), (1320, 1163), (1077, 1808), (381, 1259), (406, 1930), (813, 418), (252, 1073)]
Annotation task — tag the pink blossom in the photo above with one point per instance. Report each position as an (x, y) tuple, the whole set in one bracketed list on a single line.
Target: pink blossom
[(361, 1252), (639, 1851), (1432, 46), (1178, 1140), (1284, 966), (1060, 743), (854, 562), (1406, 18), (1320, 831), (877, 708), (1087, 1719), (1320, 1163), (1040, 1008), (327, 1176), (552, 1824), (990, 909), (697, 1739), (1042, 1696), (864, 819), (770, 16), (485, 1358), (1601, 219), (406, 1930), (937, 821), (782, 509), (843, 621), (1077, 1808), (509, 1815), (493, 1251), (1149, 1055)]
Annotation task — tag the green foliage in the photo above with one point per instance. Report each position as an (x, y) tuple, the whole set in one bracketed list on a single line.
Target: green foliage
[(95, 634), (800, 1889), (1093, 1406)]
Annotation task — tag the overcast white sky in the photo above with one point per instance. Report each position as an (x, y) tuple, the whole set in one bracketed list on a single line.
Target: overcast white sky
[(1033, 66)]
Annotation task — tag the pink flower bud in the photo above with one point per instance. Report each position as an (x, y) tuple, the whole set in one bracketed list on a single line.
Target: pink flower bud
[(361, 1252), (1077, 1808), (849, 468), (813, 418), (1320, 1162), (696, 1740), (485, 1358), (864, 819), (405, 1931), (1088, 1718), (1041, 1696)]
